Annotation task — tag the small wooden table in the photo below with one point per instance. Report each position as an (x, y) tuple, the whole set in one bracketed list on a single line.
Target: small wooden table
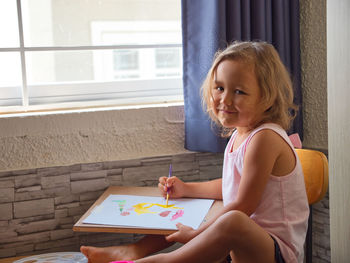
[(124, 190)]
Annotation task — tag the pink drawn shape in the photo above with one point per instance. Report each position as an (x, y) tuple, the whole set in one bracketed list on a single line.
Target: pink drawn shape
[(178, 214), (165, 213), (125, 213)]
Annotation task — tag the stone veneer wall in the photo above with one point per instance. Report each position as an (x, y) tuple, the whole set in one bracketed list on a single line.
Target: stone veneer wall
[(39, 207)]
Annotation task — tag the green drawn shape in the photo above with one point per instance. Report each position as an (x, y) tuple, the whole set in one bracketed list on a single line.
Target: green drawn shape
[(121, 204)]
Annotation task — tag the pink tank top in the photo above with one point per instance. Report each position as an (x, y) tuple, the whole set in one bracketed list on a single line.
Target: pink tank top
[(283, 210)]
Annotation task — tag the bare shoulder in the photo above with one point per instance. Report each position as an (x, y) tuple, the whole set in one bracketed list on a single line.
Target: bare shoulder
[(267, 140), (268, 146)]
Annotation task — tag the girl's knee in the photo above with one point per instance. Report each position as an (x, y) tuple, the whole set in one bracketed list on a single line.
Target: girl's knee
[(235, 215), (231, 227), (234, 222)]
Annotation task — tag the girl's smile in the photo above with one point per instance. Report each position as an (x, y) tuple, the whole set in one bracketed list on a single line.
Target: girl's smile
[(226, 111)]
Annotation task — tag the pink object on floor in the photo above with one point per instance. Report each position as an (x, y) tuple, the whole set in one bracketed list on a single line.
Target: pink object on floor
[(122, 262)]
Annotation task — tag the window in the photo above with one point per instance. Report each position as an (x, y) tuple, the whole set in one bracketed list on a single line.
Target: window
[(63, 54)]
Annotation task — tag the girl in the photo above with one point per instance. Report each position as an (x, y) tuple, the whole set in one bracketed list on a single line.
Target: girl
[(248, 93)]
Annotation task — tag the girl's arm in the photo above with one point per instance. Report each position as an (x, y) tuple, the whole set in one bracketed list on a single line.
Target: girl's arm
[(209, 189), (177, 188), (261, 157)]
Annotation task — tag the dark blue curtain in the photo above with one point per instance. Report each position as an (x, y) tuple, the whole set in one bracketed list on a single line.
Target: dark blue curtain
[(209, 25)]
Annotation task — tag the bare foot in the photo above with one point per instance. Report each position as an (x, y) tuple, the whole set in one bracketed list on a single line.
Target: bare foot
[(144, 247), (108, 254)]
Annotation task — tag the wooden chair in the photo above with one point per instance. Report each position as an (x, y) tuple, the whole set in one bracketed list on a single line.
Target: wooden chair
[(315, 168)]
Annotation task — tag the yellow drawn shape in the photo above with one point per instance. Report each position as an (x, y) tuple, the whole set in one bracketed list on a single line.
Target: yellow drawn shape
[(143, 208)]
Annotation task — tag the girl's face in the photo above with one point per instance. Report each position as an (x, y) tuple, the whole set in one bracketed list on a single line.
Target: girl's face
[(236, 95)]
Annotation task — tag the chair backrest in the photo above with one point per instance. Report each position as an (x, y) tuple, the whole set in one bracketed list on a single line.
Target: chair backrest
[(315, 168)]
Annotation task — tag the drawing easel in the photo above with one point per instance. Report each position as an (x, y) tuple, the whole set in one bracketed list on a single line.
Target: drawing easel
[(124, 190)]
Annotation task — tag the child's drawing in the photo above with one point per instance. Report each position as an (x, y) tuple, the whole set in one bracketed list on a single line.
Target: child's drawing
[(121, 204), (125, 213), (149, 212), (143, 208), (178, 214), (164, 214)]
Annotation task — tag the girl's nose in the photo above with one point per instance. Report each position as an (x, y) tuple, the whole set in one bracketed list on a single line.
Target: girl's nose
[(226, 98)]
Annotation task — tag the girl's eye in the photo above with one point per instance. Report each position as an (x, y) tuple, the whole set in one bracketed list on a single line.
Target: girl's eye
[(239, 92), (219, 88)]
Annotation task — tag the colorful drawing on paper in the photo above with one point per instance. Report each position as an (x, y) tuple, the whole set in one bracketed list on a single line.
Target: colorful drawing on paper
[(164, 214), (144, 208), (149, 212), (178, 214), (121, 204)]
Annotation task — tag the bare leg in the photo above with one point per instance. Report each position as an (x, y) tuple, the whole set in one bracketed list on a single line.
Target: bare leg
[(144, 247), (235, 232)]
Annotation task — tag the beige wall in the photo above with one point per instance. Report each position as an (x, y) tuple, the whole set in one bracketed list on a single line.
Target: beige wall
[(338, 23), (313, 46), (91, 136)]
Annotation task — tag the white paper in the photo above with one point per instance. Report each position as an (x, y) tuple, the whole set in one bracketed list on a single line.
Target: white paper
[(149, 212)]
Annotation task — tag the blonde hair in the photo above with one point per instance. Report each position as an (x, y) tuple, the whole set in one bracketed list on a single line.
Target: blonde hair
[(272, 76)]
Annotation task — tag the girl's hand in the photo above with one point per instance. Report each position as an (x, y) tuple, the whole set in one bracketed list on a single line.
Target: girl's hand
[(174, 185), (183, 235)]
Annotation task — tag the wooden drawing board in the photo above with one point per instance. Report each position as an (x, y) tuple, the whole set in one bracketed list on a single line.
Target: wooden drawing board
[(125, 190)]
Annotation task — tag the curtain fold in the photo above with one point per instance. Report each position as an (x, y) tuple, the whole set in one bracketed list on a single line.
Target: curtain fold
[(208, 26)]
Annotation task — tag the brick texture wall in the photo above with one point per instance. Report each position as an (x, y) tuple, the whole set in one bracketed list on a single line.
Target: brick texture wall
[(39, 207)]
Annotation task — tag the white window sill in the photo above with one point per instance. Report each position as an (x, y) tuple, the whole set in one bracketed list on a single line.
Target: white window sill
[(69, 108)]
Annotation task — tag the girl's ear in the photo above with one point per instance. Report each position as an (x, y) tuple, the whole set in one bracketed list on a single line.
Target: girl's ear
[(268, 109), (267, 105)]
